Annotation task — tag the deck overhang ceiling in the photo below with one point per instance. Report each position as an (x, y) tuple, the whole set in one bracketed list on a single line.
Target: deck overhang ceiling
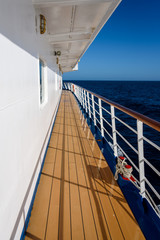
[(72, 25)]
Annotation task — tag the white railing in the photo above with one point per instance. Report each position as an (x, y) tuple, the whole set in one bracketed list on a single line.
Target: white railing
[(93, 105)]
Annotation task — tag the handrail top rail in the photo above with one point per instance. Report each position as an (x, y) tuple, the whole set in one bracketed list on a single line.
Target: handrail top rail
[(148, 121)]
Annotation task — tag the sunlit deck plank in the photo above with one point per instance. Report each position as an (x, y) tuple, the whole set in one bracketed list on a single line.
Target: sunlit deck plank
[(82, 199), (76, 213), (38, 219)]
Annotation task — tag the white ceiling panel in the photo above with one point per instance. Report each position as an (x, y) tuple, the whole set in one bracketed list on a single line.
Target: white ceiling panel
[(72, 25)]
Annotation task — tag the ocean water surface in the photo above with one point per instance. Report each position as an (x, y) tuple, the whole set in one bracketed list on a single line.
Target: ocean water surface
[(140, 96)]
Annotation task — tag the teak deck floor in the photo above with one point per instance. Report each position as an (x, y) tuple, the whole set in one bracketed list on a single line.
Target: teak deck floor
[(77, 197)]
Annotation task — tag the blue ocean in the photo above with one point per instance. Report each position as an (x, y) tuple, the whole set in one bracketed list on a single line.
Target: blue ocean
[(140, 96)]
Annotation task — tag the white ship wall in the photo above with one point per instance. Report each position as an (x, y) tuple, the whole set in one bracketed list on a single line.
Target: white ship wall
[(24, 122)]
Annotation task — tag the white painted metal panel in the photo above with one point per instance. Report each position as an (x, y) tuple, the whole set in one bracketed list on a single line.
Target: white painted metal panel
[(24, 123)]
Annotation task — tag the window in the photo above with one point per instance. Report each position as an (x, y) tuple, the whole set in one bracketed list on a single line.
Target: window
[(43, 81)]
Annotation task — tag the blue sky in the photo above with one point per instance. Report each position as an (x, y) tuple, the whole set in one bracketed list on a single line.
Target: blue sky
[(128, 46)]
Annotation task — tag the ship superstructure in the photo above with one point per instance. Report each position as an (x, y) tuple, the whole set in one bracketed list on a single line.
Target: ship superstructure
[(39, 41)]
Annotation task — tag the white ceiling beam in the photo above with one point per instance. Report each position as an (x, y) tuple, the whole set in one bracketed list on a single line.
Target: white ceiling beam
[(67, 2), (68, 41), (67, 34), (67, 58), (66, 67), (61, 40), (59, 37), (67, 62)]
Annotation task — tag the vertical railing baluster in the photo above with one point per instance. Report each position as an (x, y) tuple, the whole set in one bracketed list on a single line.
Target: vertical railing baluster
[(114, 131), (141, 157), (93, 107), (85, 101), (101, 116), (81, 96), (89, 109), (79, 93)]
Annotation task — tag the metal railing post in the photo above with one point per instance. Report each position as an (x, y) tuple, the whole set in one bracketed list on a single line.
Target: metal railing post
[(101, 116), (141, 157), (85, 100), (114, 131), (89, 109), (79, 93), (93, 107), (81, 96)]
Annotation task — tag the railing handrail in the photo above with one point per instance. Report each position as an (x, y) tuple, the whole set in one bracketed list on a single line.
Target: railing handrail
[(148, 121)]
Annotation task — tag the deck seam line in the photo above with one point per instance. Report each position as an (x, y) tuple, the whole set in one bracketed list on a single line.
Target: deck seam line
[(61, 205), (109, 200), (88, 190), (106, 190), (50, 193), (97, 191), (69, 189), (78, 184)]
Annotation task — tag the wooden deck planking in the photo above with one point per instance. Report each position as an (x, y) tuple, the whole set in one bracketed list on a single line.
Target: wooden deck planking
[(77, 197)]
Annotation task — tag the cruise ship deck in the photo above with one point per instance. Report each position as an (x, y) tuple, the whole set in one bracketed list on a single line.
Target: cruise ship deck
[(77, 196)]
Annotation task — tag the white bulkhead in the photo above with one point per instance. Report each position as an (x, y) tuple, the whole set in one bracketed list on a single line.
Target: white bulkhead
[(24, 121)]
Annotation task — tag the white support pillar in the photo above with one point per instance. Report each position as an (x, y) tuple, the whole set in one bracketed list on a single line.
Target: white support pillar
[(141, 157), (93, 107), (101, 116), (114, 131), (89, 109)]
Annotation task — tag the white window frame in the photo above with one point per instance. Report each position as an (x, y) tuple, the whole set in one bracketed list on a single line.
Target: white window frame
[(43, 83)]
